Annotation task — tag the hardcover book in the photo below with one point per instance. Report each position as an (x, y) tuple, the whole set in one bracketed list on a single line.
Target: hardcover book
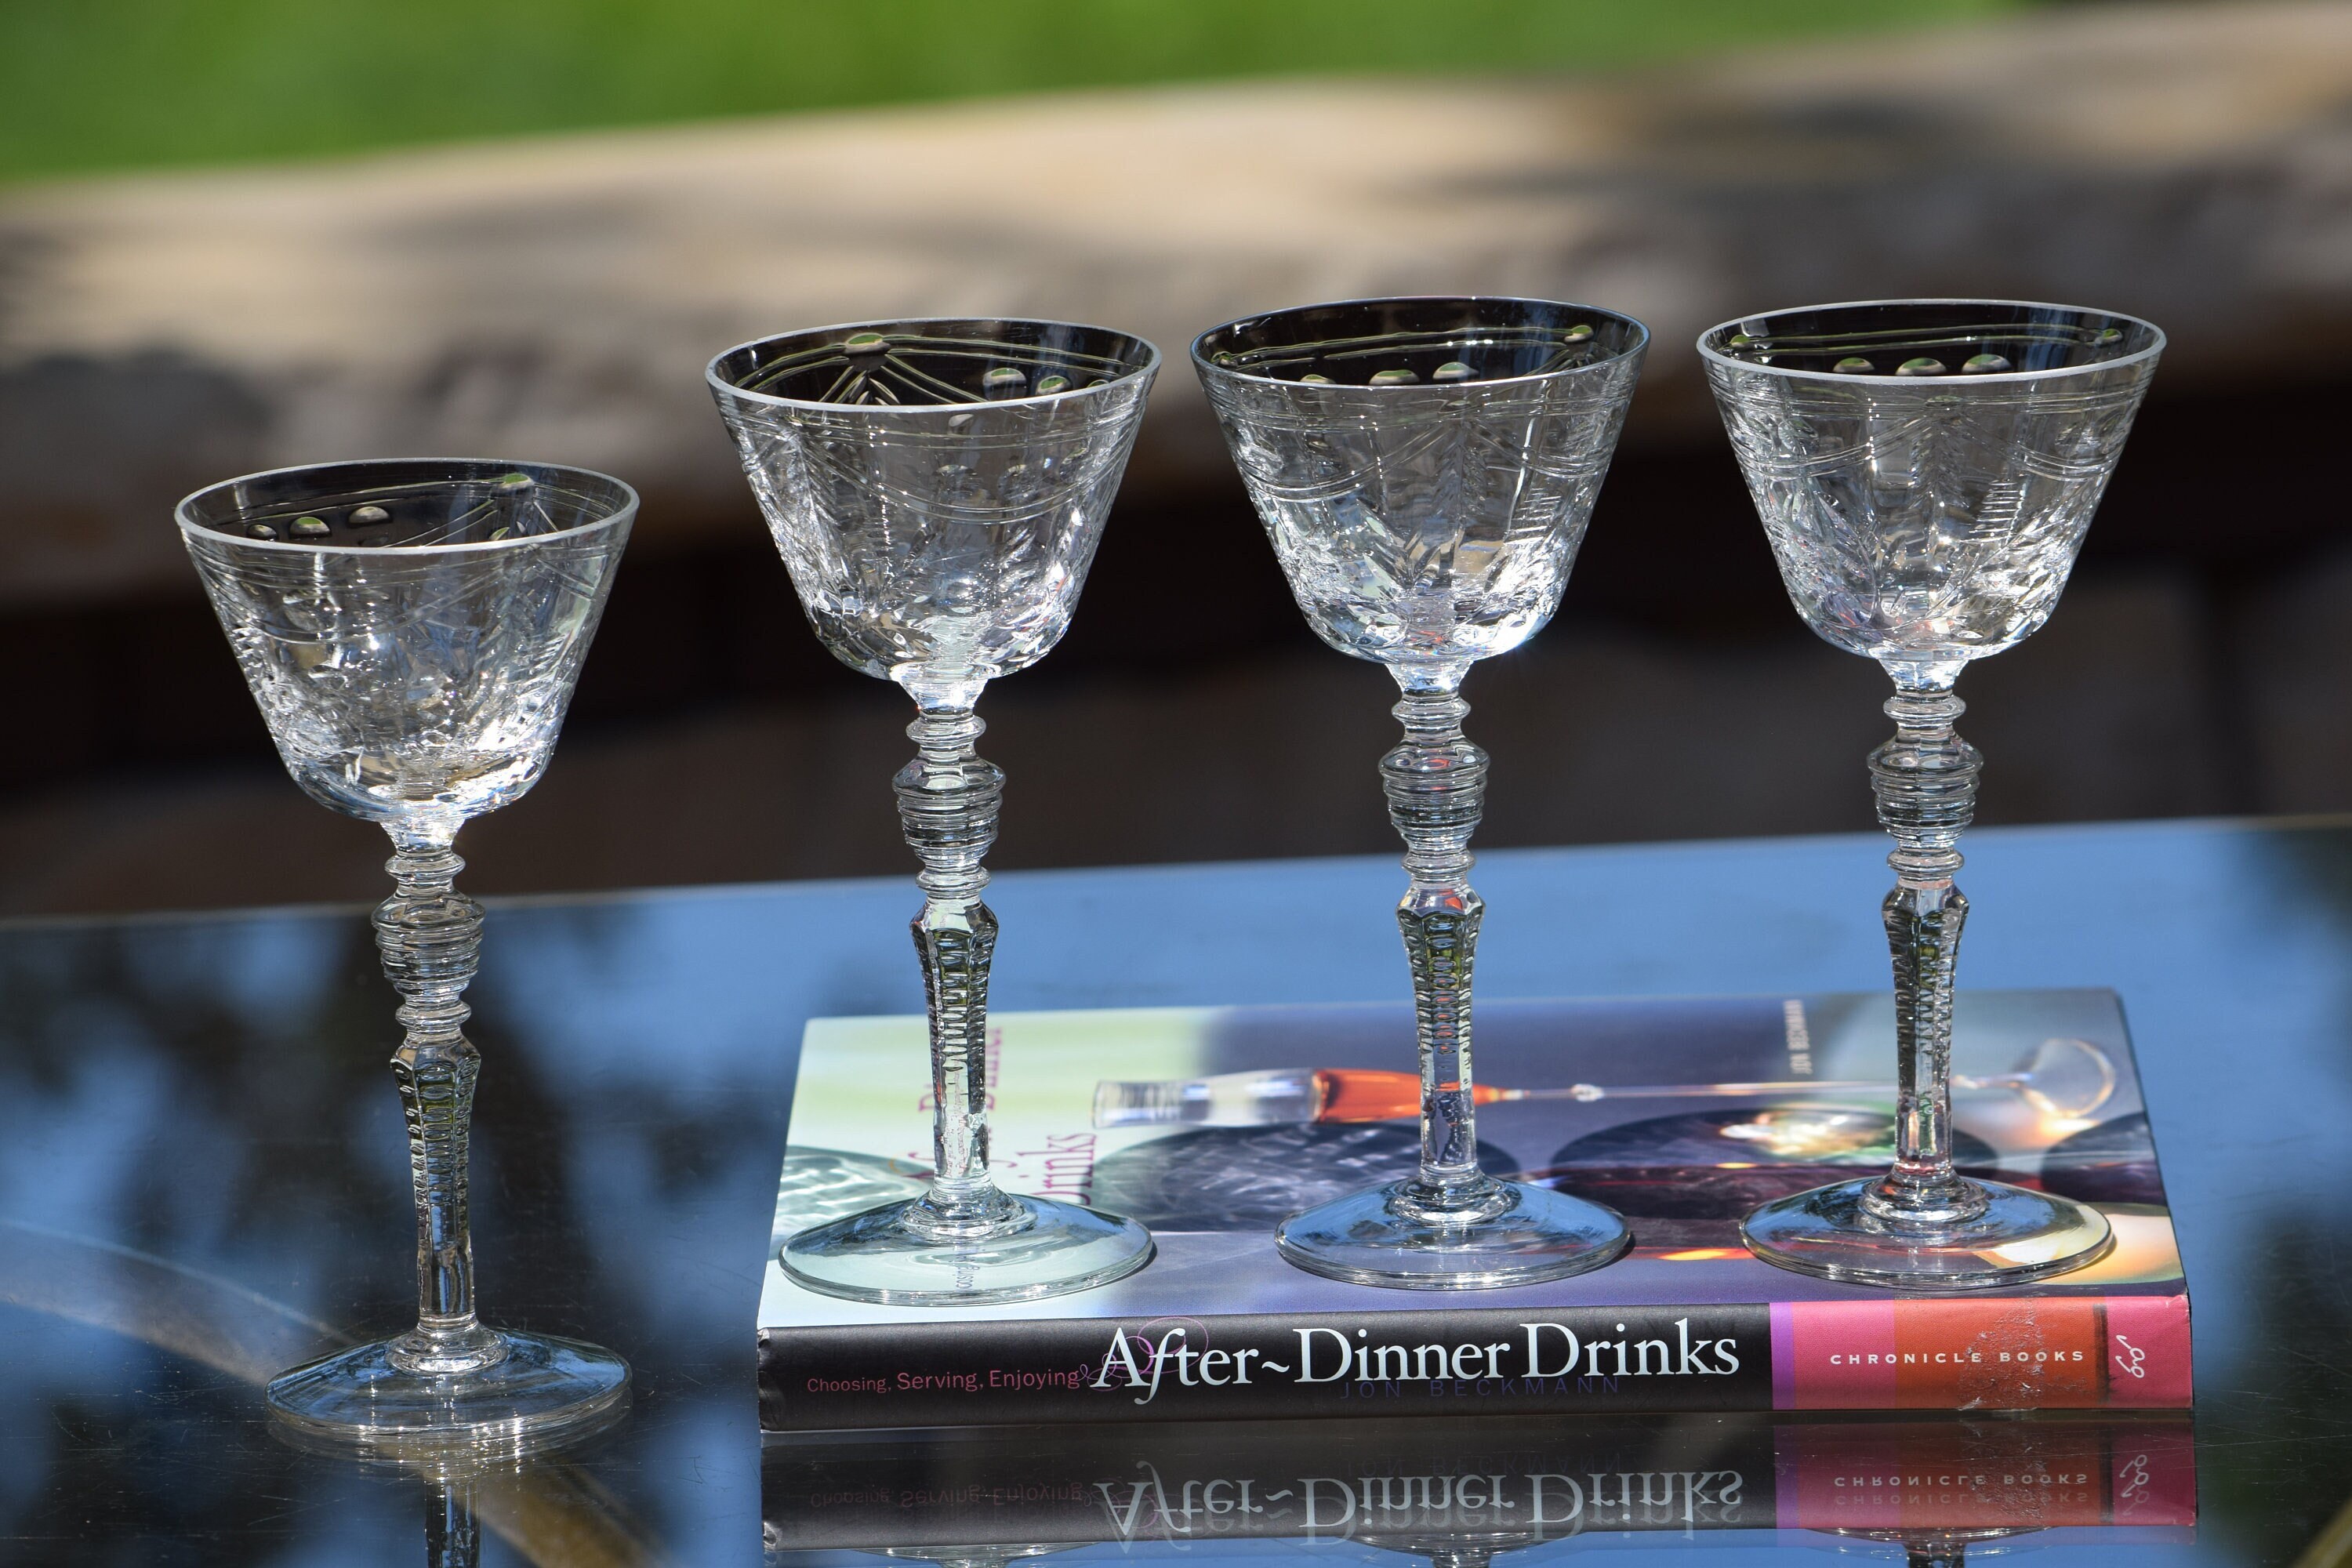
[(1211, 1124)]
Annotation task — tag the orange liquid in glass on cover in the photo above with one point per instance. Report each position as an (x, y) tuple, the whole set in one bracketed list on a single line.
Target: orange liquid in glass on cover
[(1363, 1094)]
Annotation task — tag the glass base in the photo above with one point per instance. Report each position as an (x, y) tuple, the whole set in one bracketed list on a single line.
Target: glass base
[(2020, 1237), (1054, 1249), (1527, 1233), (542, 1390)]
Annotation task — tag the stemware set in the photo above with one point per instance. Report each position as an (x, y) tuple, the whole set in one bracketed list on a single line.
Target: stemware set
[(1425, 469)]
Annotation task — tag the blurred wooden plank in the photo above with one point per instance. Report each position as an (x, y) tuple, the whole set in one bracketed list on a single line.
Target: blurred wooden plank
[(557, 299)]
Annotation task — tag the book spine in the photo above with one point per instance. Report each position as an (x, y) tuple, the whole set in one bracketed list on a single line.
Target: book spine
[(1255, 1366), (1996, 1353)]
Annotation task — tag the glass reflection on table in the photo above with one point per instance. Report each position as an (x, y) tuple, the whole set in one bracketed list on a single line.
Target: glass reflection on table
[(1468, 1493)]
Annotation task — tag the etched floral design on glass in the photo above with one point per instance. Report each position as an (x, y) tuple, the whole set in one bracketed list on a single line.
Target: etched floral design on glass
[(411, 631), (1425, 469), (1926, 470), (936, 490)]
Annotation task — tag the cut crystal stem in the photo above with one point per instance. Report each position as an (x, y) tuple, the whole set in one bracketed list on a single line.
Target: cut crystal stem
[(1922, 1225), (1436, 786), (1925, 779), (948, 803), (1449, 1226), (966, 1241), (431, 938)]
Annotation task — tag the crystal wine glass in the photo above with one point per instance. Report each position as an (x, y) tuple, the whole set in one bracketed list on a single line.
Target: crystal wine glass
[(1425, 469), (412, 630), (1926, 469), (936, 488)]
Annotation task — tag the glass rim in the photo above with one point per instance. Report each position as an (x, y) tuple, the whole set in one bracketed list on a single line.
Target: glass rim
[(1150, 366), (191, 527), (1714, 356), (1205, 367)]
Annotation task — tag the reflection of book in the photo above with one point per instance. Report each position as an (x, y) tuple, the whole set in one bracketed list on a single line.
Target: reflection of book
[(1219, 1328), (1420, 1485)]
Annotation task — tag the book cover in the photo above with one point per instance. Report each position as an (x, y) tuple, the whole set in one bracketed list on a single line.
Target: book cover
[(1485, 1486), (1211, 1124)]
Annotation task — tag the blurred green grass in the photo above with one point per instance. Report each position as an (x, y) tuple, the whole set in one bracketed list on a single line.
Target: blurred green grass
[(89, 85)]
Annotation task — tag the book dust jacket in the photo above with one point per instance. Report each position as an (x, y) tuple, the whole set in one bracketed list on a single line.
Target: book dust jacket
[(1210, 1125)]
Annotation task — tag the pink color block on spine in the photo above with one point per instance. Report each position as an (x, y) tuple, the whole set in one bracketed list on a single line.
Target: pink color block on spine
[(1842, 1355), (2149, 1356)]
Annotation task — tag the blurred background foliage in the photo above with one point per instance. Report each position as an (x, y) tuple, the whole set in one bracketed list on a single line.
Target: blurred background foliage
[(93, 85)]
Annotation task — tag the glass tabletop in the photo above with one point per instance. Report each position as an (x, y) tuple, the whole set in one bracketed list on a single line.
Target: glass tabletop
[(203, 1176)]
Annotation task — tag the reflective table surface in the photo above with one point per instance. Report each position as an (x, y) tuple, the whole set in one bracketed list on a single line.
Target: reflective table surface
[(203, 1179)]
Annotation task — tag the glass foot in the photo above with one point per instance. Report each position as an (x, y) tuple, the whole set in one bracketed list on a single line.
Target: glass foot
[(2020, 1237), (1527, 1233), (1057, 1248), (543, 1388)]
